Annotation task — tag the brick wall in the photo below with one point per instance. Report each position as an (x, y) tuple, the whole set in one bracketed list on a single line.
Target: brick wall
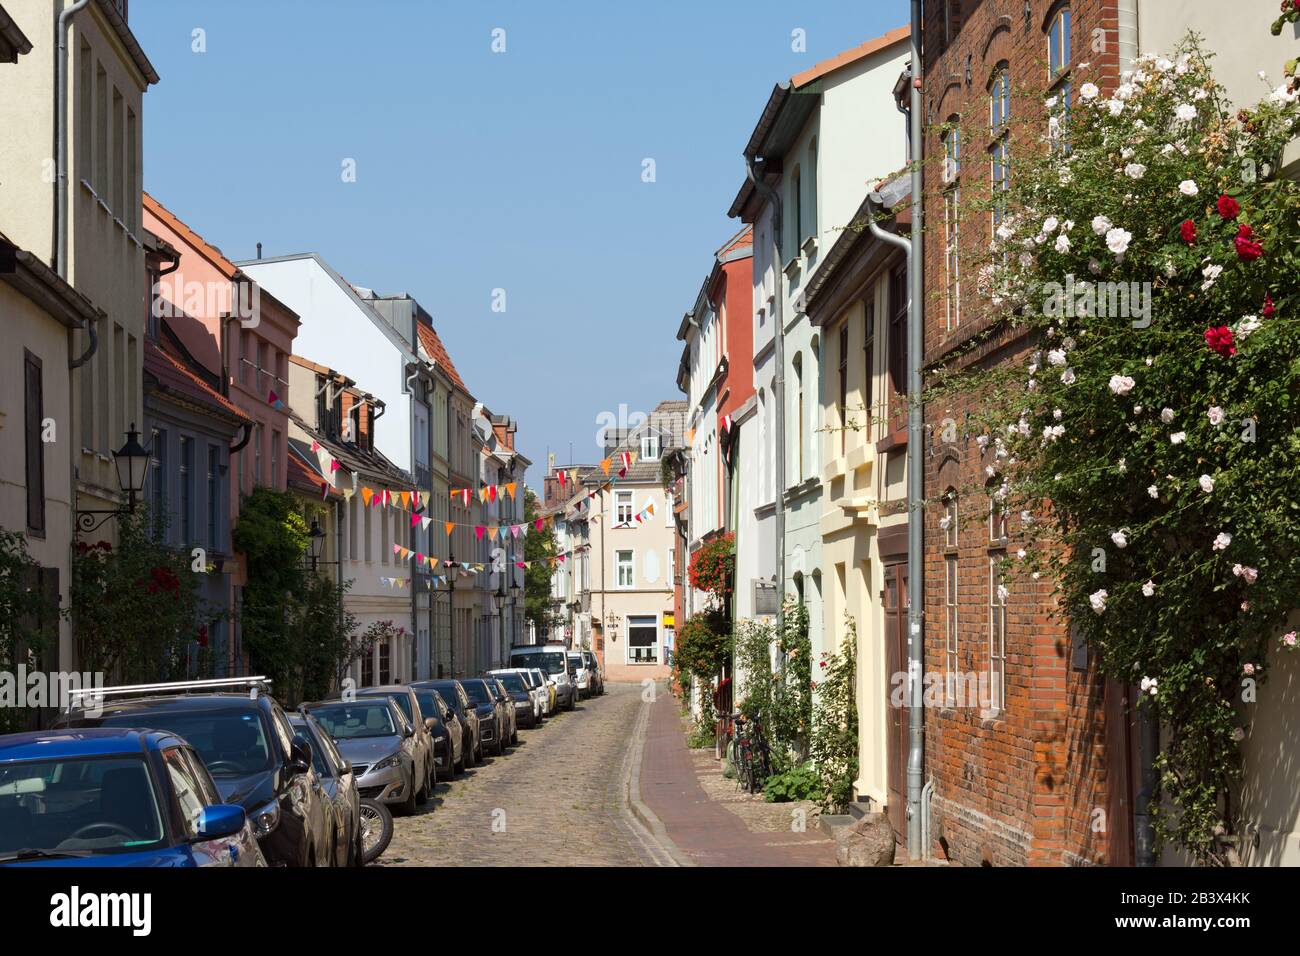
[(1019, 786)]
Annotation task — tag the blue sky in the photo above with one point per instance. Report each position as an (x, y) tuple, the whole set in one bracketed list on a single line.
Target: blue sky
[(478, 171)]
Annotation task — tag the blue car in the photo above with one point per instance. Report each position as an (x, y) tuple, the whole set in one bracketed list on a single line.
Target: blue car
[(115, 797)]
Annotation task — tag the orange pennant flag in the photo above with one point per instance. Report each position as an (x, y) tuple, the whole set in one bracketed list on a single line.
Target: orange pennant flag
[(406, 500), (604, 465), (450, 526), (492, 532), (366, 495), (510, 487)]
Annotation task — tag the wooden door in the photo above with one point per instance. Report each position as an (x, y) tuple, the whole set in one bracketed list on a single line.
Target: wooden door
[(894, 603)]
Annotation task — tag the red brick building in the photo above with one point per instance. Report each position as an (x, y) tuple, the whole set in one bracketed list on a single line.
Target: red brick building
[(1036, 770)]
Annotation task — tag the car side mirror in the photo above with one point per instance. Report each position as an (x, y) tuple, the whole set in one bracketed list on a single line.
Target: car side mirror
[(299, 756), (408, 731), (430, 723), (220, 820), (347, 768)]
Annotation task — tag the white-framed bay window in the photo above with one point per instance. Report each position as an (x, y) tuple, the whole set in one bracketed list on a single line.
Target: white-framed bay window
[(642, 639), (624, 569)]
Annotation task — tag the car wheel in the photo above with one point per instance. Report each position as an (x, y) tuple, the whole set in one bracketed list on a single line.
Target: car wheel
[(408, 805), (501, 744), (375, 830)]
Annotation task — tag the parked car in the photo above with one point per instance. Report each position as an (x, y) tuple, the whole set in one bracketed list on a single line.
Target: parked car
[(554, 660), (581, 677), (491, 716), (453, 694), (536, 689), (548, 685), (248, 748), (101, 797), (526, 708), (448, 733), (339, 785), (593, 668), (509, 710), (372, 733), (407, 702)]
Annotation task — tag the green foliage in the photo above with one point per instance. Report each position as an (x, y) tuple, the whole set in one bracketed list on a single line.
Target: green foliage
[(1163, 454), (137, 604), (703, 645), (324, 631), (834, 747), (539, 549), (803, 782), (781, 700), (28, 618)]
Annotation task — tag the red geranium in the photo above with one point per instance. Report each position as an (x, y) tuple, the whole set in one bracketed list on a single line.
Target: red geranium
[(1219, 339), (1188, 231), (1228, 207), (1269, 309), (1248, 250)]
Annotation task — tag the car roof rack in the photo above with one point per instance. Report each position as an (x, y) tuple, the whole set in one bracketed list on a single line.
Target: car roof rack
[(179, 688)]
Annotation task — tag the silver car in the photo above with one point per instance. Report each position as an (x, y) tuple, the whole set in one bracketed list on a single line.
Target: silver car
[(373, 735)]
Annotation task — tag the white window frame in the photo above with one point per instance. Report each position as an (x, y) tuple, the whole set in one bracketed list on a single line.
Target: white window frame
[(951, 581), (650, 440), (627, 640), (631, 566), (619, 520), (997, 664)]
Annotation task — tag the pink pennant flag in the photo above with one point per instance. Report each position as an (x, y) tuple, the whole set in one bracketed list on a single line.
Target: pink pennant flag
[(538, 523), (478, 531), (627, 460), (315, 447), (334, 464), (324, 489), (397, 549), (415, 519), (515, 529)]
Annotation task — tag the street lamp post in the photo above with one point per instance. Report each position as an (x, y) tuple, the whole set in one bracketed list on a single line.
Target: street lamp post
[(315, 544), (132, 461), (451, 611)]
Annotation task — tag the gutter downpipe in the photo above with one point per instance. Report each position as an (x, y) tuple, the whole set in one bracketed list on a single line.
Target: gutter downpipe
[(778, 382), (61, 139), (411, 379), (915, 459)]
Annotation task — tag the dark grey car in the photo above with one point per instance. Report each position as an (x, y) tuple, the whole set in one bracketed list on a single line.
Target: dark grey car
[(338, 785)]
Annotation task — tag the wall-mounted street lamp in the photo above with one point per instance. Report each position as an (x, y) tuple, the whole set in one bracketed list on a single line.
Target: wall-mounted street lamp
[(132, 461), (315, 544)]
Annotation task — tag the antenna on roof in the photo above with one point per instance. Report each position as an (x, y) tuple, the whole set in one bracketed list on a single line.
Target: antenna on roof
[(259, 250)]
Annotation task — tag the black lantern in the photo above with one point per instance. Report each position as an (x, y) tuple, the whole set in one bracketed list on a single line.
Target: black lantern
[(315, 543), (132, 461)]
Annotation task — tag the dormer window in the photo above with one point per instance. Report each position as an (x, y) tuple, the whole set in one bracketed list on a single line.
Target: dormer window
[(650, 447)]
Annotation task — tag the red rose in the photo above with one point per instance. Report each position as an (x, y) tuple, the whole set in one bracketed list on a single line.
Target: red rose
[(1248, 250), (1220, 340), (1269, 309), (1188, 231), (1228, 207)]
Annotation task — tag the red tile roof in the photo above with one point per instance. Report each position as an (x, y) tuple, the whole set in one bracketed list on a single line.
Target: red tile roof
[(188, 235), (174, 377), (433, 345), (302, 475), (818, 70)]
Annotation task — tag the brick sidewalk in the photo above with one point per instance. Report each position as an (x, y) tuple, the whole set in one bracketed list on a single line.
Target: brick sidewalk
[(717, 826)]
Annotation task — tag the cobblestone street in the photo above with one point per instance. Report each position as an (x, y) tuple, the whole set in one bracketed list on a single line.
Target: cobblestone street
[(554, 798)]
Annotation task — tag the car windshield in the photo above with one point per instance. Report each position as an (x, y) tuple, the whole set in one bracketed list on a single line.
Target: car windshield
[(550, 661), (357, 719), (513, 683), (477, 691), (576, 663), (77, 807), (231, 742), (403, 701), (449, 696)]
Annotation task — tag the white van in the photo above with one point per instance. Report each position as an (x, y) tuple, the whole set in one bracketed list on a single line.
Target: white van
[(553, 661)]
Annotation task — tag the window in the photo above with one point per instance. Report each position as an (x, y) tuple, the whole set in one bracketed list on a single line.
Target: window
[(132, 215), (951, 532), (950, 141), (898, 331), (119, 156), (642, 639), (85, 114), (101, 133), (951, 20), (368, 670), (187, 486), (796, 202), (275, 458), (189, 795), (844, 385), (214, 497), (798, 416), (1058, 42), (623, 508), (951, 256), (869, 366), (997, 518), (950, 630), (385, 661), (623, 569), (650, 447), (33, 416), (997, 636), (157, 473), (999, 150), (257, 455), (812, 188)]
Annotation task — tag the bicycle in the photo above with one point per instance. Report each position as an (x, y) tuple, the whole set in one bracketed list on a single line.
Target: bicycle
[(753, 757)]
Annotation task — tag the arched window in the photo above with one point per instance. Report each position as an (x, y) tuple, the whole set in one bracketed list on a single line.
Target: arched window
[(951, 222)]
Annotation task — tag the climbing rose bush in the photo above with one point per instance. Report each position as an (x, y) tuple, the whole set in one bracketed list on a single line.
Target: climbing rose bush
[(1152, 452)]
